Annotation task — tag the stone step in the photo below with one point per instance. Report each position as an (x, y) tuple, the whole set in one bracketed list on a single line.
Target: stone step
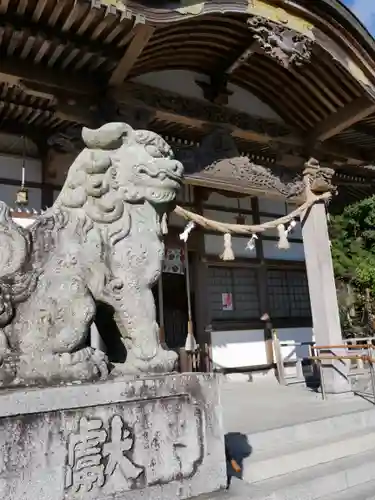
[(285, 460), (314, 483), (238, 377), (365, 491), (347, 479), (327, 428)]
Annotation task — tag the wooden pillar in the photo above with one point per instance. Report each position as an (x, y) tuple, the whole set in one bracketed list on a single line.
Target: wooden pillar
[(201, 300), (46, 188), (323, 298), (262, 281), (96, 341), (161, 310)]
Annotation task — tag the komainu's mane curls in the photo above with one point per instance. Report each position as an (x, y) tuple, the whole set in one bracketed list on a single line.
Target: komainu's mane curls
[(91, 183)]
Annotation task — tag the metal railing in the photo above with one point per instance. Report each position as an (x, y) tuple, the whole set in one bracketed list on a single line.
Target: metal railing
[(323, 353), (362, 362), (357, 343)]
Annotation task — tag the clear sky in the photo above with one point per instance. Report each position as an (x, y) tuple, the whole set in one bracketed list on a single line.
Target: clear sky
[(365, 11)]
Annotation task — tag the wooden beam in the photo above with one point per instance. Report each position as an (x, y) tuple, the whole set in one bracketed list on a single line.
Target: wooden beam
[(191, 112), (243, 58), (141, 35), (76, 113), (343, 119), (216, 91), (33, 132), (336, 149)]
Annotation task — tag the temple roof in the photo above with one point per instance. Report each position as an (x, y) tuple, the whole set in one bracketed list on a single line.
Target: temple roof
[(71, 62)]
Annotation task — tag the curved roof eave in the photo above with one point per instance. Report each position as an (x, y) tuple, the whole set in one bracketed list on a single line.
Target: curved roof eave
[(353, 21), (347, 41), (356, 53)]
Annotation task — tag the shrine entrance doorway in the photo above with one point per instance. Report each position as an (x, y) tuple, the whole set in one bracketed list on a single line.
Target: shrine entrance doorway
[(175, 308)]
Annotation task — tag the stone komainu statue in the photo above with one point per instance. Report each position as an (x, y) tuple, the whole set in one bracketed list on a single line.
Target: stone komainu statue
[(101, 241)]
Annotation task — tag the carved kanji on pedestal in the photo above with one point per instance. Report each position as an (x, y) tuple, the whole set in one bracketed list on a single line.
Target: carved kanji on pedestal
[(94, 454)]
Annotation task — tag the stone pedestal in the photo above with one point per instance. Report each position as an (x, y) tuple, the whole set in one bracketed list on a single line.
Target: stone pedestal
[(156, 438)]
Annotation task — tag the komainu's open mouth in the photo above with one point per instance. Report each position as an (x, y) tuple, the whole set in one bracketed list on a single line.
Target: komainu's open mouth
[(163, 174), (174, 172)]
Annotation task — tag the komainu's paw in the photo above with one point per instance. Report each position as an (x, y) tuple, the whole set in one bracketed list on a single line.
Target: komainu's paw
[(26, 369), (163, 362), (8, 369)]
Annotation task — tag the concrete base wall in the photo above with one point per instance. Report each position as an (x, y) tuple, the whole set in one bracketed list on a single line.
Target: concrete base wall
[(150, 438)]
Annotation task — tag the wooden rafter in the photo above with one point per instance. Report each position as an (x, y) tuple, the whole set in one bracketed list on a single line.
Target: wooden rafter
[(141, 35), (19, 24), (343, 119), (4, 4), (40, 6), (14, 71)]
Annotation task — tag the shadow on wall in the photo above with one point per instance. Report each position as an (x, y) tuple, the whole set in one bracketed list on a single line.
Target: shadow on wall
[(237, 448)]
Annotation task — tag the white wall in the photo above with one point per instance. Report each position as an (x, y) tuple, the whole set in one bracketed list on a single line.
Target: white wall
[(219, 200), (214, 245), (24, 222), (272, 206), (296, 233), (56, 193), (270, 250), (295, 251), (184, 83), (247, 348), (11, 168)]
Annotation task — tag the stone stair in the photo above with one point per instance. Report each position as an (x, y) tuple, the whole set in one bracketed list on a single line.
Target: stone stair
[(319, 482), (332, 458), (351, 478), (365, 491)]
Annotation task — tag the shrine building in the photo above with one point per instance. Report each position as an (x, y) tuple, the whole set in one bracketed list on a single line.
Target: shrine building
[(246, 92)]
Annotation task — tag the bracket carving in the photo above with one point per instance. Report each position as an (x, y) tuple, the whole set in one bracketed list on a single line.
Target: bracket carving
[(68, 141), (283, 44)]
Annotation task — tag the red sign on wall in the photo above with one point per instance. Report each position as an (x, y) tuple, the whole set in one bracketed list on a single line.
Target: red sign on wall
[(227, 301)]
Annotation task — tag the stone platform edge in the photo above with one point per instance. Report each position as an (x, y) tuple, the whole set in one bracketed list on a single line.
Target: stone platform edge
[(28, 400)]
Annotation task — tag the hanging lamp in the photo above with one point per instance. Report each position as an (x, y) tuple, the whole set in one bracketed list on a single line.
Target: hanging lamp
[(22, 196)]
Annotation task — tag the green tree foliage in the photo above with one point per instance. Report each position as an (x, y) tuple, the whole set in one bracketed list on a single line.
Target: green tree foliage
[(353, 253)]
